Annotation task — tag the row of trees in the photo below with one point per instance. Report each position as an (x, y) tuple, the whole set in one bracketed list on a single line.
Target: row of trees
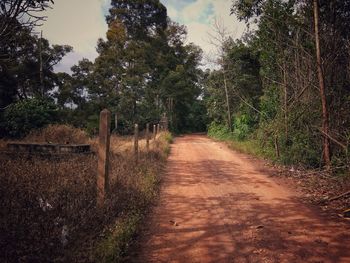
[(143, 70), (285, 83), (287, 79)]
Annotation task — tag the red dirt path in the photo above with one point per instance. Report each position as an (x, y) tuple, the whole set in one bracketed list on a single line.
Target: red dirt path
[(220, 206)]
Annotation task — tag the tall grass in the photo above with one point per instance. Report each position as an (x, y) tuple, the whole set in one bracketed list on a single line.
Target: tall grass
[(58, 133), (48, 211)]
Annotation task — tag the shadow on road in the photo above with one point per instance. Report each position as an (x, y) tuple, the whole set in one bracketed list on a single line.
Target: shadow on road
[(214, 209)]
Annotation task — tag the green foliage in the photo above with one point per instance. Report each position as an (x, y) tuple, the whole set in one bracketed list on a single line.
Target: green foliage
[(23, 116), (272, 81), (139, 17), (168, 138), (249, 146), (219, 131), (241, 127), (196, 118), (246, 9), (241, 69), (92, 124), (20, 67), (252, 147), (144, 69), (116, 243), (303, 150), (269, 102)]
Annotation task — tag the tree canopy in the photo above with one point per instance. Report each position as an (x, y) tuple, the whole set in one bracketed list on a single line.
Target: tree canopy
[(273, 79), (278, 85), (142, 65)]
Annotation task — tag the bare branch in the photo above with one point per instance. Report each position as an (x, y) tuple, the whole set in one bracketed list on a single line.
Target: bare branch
[(20, 13)]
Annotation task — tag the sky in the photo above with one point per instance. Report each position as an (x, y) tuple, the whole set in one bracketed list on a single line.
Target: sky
[(79, 23)]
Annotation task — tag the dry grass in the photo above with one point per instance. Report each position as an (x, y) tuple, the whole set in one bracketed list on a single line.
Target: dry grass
[(57, 133), (125, 144), (318, 186), (43, 198)]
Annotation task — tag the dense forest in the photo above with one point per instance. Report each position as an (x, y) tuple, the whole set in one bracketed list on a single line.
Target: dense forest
[(282, 88), (286, 81)]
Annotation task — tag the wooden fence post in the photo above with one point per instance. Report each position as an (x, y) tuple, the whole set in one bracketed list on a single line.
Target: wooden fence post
[(158, 128), (116, 122), (103, 157), (147, 137), (136, 142), (154, 132)]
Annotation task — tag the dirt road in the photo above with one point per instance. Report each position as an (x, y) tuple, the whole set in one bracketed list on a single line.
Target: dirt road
[(220, 206)]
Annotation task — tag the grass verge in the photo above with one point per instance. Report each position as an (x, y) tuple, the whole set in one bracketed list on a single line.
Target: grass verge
[(47, 203), (248, 146)]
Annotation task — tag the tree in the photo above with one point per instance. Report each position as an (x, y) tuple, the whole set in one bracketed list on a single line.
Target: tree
[(141, 18), (25, 115), (242, 70), (16, 14), (295, 63), (219, 40), (143, 69), (181, 84), (325, 114), (20, 73), (246, 9)]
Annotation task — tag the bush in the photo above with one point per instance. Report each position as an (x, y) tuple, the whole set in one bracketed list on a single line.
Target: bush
[(92, 124), (296, 147), (58, 133), (301, 148), (219, 131), (20, 118), (241, 127)]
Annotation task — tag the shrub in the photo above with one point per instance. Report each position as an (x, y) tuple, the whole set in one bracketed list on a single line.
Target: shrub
[(219, 131), (23, 116), (241, 127), (92, 124), (168, 137), (58, 133)]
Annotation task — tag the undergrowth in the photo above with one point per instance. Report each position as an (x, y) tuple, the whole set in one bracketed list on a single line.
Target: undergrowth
[(248, 145), (48, 211), (113, 247), (296, 155)]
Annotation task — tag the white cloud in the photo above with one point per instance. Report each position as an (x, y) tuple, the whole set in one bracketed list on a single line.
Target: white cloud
[(78, 23), (194, 11), (200, 26), (222, 10), (72, 59), (197, 33), (173, 13)]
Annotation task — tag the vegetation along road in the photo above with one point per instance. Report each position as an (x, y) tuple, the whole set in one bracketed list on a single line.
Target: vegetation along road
[(218, 206)]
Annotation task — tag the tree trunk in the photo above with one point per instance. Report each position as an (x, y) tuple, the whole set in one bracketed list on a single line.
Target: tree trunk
[(229, 122), (41, 65), (325, 114), (285, 100)]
